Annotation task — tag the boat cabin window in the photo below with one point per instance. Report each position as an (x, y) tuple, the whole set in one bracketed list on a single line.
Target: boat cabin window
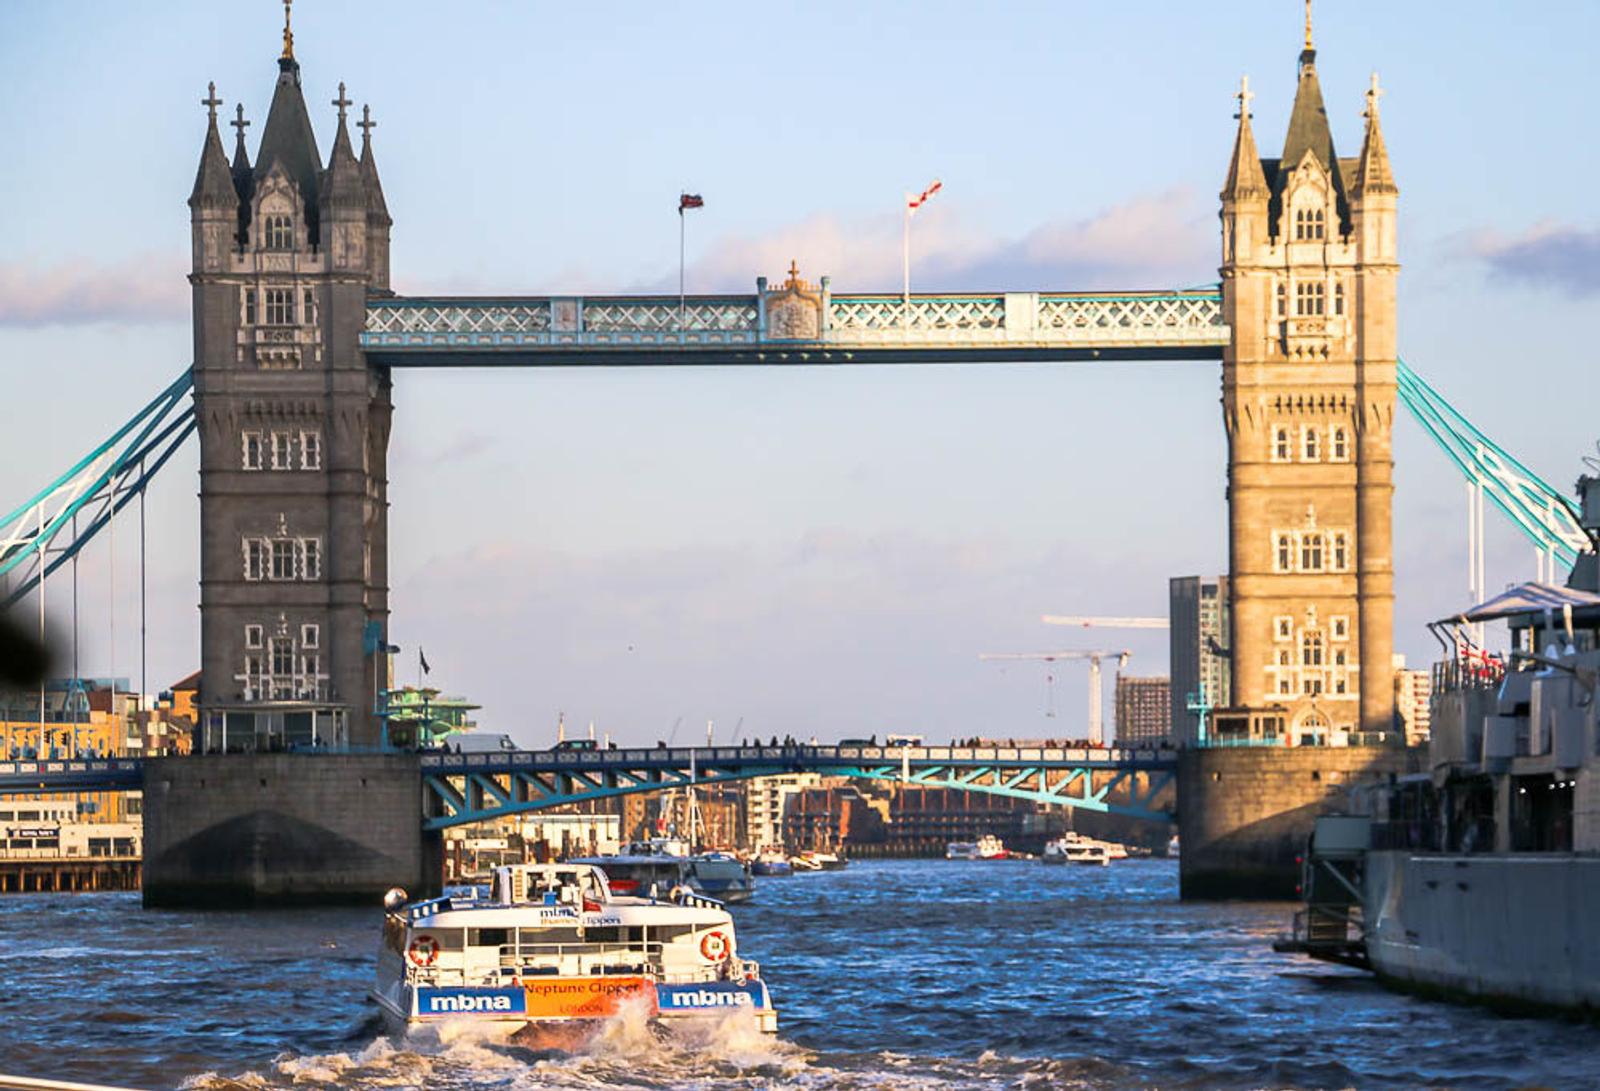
[(488, 937)]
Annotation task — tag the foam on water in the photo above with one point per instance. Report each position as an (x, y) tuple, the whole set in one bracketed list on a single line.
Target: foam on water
[(910, 976)]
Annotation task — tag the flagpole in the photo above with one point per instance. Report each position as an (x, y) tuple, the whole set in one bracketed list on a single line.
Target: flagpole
[(905, 266), (681, 252)]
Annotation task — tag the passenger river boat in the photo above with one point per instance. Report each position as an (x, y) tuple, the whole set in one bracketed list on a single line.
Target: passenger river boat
[(551, 953)]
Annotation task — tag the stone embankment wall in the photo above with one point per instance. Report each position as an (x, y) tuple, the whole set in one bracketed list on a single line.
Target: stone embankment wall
[(285, 829), (1244, 812)]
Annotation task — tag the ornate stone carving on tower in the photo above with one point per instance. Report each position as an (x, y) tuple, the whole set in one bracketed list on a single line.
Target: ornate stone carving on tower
[(294, 429), (1308, 392)]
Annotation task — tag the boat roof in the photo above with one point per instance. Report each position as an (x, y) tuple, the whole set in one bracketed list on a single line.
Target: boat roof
[(1527, 599)]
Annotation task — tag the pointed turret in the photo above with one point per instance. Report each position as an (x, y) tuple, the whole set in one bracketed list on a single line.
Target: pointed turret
[(213, 182), (287, 138), (342, 186), (377, 207), (378, 219), (1308, 123), (1246, 180), (243, 178), (344, 200), (1372, 169)]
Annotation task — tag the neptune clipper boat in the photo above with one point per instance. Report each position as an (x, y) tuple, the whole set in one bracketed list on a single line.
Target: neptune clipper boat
[(551, 953)]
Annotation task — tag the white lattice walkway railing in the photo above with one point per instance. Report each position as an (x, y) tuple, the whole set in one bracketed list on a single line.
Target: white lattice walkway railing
[(877, 322)]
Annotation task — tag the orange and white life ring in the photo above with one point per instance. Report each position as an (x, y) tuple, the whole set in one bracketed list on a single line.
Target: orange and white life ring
[(714, 946), (424, 951)]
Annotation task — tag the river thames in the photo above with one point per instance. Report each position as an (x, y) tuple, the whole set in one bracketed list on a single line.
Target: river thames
[(915, 975)]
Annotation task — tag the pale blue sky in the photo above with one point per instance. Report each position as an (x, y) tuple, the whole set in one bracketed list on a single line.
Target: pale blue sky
[(817, 551)]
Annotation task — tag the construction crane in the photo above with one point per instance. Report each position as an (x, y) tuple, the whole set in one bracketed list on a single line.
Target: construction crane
[(1096, 714), (1105, 622)]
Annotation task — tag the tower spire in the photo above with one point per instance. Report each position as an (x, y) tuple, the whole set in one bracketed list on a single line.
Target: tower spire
[(288, 32), (213, 183), (1245, 177), (1309, 46), (1372, 168)]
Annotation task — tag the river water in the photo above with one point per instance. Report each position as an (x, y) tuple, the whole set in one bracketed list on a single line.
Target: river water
[(919, 975)]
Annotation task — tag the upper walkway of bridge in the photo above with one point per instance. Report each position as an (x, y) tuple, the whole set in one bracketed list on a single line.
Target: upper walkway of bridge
[(797, 323)]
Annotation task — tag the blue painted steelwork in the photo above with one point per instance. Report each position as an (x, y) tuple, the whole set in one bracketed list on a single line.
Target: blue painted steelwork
[(1546, 517), (102, 483), (90, 775), (466, 788)]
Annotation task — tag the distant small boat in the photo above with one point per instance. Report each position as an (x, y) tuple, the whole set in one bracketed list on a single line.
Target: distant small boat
[(987, 847), (818, 861), (771, 865)]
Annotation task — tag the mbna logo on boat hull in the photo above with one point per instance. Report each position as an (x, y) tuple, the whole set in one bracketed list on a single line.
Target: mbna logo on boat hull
[(707, 998), (471, 1001)]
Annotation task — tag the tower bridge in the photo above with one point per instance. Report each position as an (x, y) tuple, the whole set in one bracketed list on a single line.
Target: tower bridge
[(299, 336)]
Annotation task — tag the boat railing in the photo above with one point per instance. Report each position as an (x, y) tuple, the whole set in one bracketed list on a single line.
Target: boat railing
[(517, 961)]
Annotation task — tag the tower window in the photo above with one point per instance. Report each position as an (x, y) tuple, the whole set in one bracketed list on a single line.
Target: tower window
[(1338, 297), (1285, 556), (280, 306), (311, 450), (1284, 627), (252, 636), (249, 306), (1310, 299), (255, 558), (1341, 628), (251, 457), (310, 636), (281, 456), (1341, 552), (280, 233), (283, 559), (1311, 553), (310, 558), (1283, 300), (1280, 445), (1312, 449), (1341, 444), (1308, 224), (308, 306)]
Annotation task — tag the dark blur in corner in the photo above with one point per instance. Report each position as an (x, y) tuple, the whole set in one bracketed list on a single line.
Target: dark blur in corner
[(24, 662)]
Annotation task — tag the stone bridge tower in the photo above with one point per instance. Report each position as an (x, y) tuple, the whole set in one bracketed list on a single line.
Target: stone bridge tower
[(1308, 394), (294, 431)]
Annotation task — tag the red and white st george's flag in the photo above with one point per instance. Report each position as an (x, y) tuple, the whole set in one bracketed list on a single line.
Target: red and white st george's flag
[(914, 203)]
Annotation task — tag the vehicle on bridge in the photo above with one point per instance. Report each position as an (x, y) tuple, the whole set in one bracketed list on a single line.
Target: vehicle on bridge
[(552, 952)]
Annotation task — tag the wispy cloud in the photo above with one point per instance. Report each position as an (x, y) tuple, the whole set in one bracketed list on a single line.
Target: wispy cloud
[(1158, 240), (1548, 255), (151, 288)]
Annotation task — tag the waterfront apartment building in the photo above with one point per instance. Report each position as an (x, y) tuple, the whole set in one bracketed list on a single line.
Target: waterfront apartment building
[(1413, 695), (764, 799), (1200, 631), (1144, 710)]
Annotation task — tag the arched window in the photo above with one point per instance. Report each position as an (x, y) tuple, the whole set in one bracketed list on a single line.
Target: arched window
[(280, 232), (1311, 553), (1311, 648), (1308, 224), (1283, 300), (1341, 552), (1285, 554), (1310, 299), (1338, 297), (1312, 447), (1280, 444), (1341, 444)]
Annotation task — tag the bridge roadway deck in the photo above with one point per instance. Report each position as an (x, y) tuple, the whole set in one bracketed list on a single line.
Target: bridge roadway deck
[(460, 788), (792, 326)]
